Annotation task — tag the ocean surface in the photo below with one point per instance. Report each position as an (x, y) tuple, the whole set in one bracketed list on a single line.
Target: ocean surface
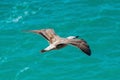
[(96, 21)]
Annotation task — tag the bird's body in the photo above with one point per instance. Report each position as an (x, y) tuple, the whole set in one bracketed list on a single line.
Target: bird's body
[(57, 42)]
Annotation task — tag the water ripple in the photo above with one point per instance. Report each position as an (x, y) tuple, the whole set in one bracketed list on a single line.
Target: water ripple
[(20, 72)]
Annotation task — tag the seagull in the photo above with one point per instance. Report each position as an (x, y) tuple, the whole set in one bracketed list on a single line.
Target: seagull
[(56, 42)]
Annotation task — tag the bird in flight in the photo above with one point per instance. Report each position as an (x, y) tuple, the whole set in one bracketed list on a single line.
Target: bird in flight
[(57, 42)]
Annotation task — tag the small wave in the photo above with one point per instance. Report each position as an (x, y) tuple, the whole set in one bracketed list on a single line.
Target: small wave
[(3, 59), (26, 13), (21, 71), (17, 19), (14, 20)]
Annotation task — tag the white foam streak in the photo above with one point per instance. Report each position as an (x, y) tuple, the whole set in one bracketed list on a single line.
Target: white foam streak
[(20, 72), (17, 19)]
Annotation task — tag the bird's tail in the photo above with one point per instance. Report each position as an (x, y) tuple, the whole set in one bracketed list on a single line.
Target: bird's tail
[(72, 37)]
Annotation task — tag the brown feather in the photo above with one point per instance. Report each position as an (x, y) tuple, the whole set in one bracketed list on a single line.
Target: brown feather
[(59, 42), (82, 45), (48, 34)]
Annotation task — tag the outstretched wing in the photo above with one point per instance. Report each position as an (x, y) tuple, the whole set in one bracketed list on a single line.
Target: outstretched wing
[(48, 34), (80, 43)]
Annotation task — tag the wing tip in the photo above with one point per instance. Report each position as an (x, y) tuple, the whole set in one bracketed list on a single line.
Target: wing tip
[(88, 52)]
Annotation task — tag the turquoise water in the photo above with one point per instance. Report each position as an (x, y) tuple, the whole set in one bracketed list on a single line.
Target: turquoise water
[(96, 21)]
